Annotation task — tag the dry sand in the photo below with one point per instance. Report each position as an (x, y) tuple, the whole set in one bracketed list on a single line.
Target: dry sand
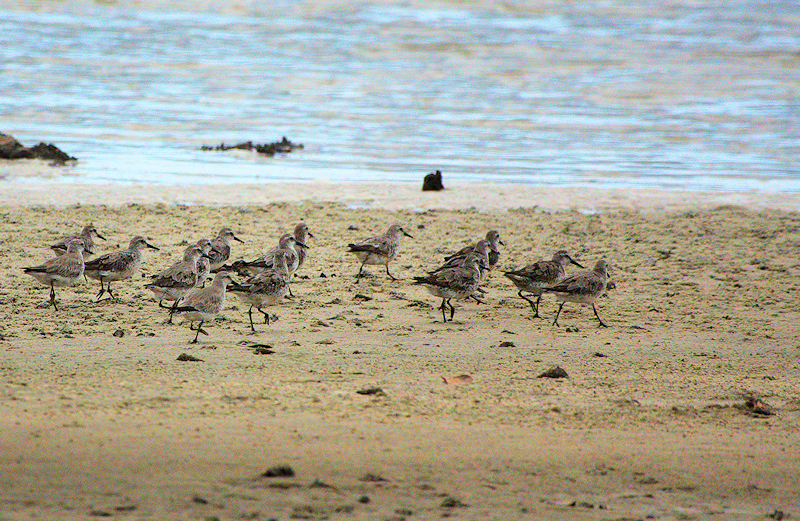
[(651, 423)]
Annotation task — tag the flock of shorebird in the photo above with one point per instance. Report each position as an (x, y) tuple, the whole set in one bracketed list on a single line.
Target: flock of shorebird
[(265, 281)]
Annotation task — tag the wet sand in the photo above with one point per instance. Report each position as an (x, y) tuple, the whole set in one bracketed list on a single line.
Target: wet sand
[(651, 423)]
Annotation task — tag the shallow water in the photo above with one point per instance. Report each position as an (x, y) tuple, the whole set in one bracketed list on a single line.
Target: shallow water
[(683, 95)]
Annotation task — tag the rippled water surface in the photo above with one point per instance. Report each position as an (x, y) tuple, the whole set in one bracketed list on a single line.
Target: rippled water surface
[(692, 95)]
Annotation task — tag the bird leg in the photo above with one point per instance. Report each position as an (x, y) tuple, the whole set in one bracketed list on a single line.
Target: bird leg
[(199, 330), (387, 272), (266, 315), (602, 324), (359, 275), (452, 310), (555, 322), (250, 314), (53, 296), (534, 305), (102, 290), (443, 307)]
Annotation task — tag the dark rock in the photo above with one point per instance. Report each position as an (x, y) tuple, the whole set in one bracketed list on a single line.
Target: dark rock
[(99, 513), (600, 355), (10, 148), (433, 182), (507, 343), (284, 146), (199, 500), (372, 478), (119, 333), (185, 357), (369, 391), (281, 471), (554, 372), (364, 500), (451, 502), (756, 407)]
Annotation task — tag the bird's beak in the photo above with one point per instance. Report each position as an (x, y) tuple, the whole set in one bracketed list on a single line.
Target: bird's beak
[(406, 234), (573, 261), (501, 242), (150, 245), (301, 244), (310, 234), (99, 236), (87, 250), (235, 238)]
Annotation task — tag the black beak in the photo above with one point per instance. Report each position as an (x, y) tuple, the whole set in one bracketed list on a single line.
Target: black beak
[(87, 250), (301, 244), (310, 234), (572, 261), (406, 234), (99, 236), (150, 245), (501, 242), (235, 238)]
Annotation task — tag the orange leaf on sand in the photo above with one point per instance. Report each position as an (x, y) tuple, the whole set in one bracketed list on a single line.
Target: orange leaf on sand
[(460, 379)]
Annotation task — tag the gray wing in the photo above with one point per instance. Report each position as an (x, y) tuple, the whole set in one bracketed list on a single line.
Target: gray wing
[(114, 261)]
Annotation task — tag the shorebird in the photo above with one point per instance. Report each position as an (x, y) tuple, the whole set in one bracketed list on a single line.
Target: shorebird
[(533, 278), (264, 289), (203, 304), (493, 238), (481, 249), (458, 282), (88, 234), (221, 245), (300, 234), (175, 282), (381, 249), (64, 270), (118, 265), (583, 287), (203, 263), (288, 244)]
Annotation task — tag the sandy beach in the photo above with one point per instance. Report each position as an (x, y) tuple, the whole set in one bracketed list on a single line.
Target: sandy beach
[(655, 420)]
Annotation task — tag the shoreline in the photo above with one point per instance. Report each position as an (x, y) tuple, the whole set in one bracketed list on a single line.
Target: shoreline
[(385, 195)]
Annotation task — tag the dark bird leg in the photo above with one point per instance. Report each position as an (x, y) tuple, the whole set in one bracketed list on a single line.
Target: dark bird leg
[(172, 310), (199, 330), (387, 272), (289, 287), (53, 296), (476, 299), (250, 314), (538, 299), (108, 289), (452, 310), (359, 275), (534, 305), (443, 307), (602, 324), (102, 290), (555, 322), (266, 315)]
